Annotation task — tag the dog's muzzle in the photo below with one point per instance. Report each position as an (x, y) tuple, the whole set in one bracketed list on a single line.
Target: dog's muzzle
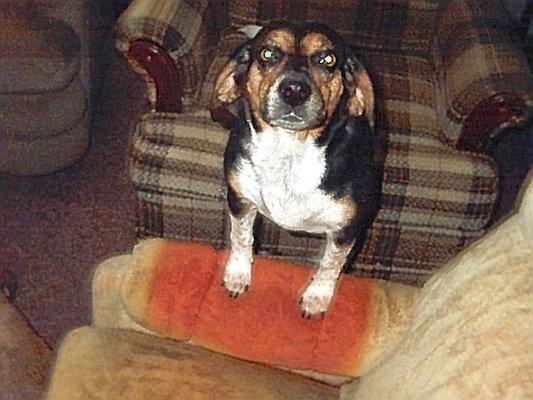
[(294, 93), (293, 102)]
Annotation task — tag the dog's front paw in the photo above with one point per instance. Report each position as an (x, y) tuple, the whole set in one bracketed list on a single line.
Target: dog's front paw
[(317, 297), (237, 276)]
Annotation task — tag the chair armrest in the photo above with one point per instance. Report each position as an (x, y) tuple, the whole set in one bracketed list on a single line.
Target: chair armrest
[(489, 119), (168, 43), (484, 77), (25, 358), (160, 73)]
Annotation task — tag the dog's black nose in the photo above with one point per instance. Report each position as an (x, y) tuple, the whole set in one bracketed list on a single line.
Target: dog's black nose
[(295, 93)]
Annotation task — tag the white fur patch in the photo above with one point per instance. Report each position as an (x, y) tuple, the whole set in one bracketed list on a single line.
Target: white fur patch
[(282, 179), (238, 270), (317, 297), (237, 274)]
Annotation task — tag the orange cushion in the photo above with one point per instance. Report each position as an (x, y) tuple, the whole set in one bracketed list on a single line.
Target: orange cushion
[(175, 290)]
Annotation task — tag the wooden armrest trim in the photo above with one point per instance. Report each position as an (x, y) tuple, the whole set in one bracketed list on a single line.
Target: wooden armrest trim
[(492, 114), (162, 70)]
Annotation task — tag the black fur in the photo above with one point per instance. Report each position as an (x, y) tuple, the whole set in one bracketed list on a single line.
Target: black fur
[(239, 135), (351, 169)]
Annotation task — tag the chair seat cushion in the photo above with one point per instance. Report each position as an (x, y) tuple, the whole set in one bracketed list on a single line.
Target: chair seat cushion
[(39, 54), (118, 364)]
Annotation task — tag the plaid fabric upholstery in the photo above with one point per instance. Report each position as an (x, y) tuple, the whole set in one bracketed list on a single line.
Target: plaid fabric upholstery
[(435, 199), (178, 27), (377, 24), (176, 167), (476, 58)]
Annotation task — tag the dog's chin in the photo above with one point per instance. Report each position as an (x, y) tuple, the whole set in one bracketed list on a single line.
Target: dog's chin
[(290, 122), (293, 122)]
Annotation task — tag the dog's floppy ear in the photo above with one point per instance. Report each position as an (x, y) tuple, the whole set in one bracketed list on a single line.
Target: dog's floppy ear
[(359, 87), (227, 83)]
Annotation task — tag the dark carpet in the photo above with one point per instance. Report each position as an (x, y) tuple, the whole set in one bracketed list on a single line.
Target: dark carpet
[(54, 229)]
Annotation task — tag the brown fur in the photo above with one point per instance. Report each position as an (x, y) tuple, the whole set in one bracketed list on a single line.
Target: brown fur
[(282, 38), (233, 182), (350, 208), (226, 90), (314, 42), (258, 83)]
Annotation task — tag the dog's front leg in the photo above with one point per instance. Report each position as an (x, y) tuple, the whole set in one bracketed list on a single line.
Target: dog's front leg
[(238, 270), (318, 295)]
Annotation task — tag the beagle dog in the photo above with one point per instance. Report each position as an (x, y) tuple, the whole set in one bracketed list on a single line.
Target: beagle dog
[(300, 150)]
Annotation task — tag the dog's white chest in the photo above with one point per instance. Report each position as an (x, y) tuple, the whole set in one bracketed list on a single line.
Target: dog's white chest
[(282, 178)]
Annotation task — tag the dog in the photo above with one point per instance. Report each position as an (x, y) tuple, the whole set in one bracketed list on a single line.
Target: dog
[(301, 149)]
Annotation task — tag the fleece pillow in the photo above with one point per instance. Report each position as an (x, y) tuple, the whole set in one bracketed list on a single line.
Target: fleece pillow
[(173, 289), (470, 337)]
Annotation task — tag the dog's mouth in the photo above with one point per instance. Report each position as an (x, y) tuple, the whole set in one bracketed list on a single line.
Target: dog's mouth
[(292, 118), (300, 119), (292, 121)]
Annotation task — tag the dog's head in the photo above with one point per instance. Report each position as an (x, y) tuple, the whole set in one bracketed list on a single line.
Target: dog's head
[(295, 77)]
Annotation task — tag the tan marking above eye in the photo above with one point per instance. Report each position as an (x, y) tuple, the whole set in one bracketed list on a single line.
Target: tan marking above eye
[(281, 38), (313, 43)]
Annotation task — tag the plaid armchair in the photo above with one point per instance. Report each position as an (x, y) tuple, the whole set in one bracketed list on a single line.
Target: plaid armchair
[(448, 78)]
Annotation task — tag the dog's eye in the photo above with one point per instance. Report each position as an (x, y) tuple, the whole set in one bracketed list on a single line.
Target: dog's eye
[(328, 60), (268, 55)]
